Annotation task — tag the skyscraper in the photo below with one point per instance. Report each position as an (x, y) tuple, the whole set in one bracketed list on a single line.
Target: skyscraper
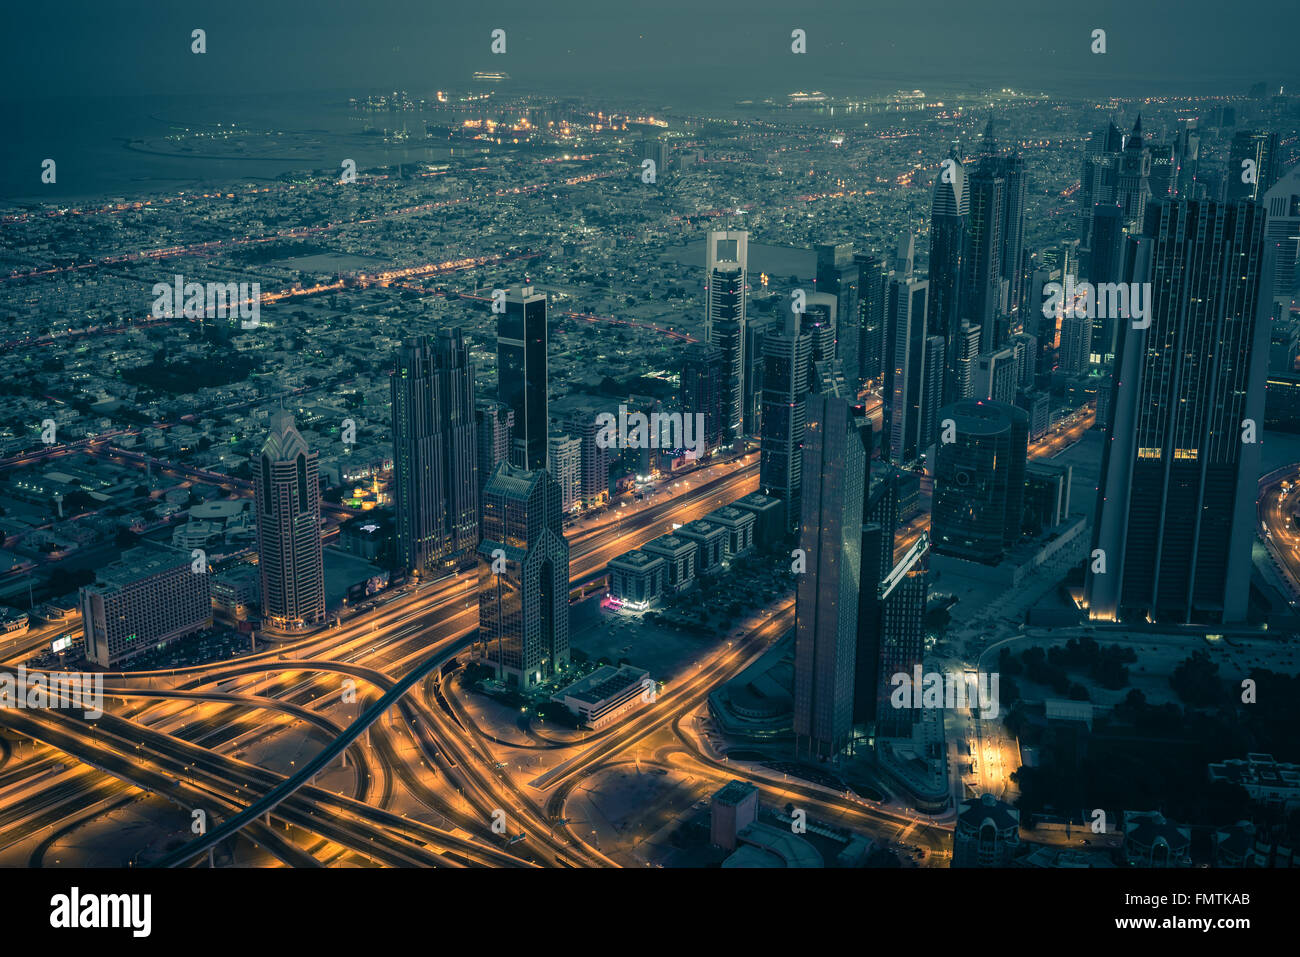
[(286, 488), (1175, 506), (1132, 184), (949, 215), (982, 264), (916, 372), (1105, 265), (494, 434), (837, 276), (1282, 203), (1098, 177), (726, 293), (564, 463), (523, 577), (898, 638), (872, 301), (786, 367), (521, 373), (826, 603), (434, 458), (1252, 165), (979, 481), (703, 381), (596, 459)]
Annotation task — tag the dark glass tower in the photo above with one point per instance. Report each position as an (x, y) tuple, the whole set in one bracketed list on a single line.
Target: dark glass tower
[(521, 373), (826, 603), (949, 214), (726, 294), (982, 266), (1176, 502), (979, 481), (289, 558), (523, 598), (786, 365), (703, 382), (873, 298), (434, 454)]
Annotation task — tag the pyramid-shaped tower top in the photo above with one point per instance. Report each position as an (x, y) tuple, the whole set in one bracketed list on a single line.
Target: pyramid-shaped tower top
[(285, 441), (990, 143), (1135, 138)]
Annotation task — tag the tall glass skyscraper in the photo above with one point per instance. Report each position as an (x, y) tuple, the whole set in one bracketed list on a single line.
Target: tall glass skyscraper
[(979, 481), (726, 258), (434, 460), (521, 373), (787, 352), (286, 489), (1176, 502), (949, 212), (826, 600), (523, 598)]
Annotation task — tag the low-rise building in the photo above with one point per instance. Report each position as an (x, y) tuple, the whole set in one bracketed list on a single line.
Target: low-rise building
[(679, 560), (710, 538), (148, 598), (606, 694), (768, 514), (739, 524), (636, 579)]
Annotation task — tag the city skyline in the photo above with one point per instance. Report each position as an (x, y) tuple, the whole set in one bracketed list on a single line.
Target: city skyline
[(701, 439)]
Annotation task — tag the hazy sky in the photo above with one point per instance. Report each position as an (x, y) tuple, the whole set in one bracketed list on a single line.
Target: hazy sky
[(135, 47)]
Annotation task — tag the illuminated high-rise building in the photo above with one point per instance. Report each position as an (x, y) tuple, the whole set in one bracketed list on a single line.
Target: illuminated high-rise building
[(434, 457), (521, 373), (523, 597), (949, 216), (826, 603), (979, 481), (786, 367), (725, 274), (1176, 502), (286, 487)]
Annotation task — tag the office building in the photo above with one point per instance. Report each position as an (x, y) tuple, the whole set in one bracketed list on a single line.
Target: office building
[(893, 638), (564, 462), (1252, 165), (979, 481), (1176, 503), (679, 560), (949, 215), (786, 366), (873, 298), (595, 458), (521, 373), (1132, 183), (636, 579), (726, 295), (523, 577), (1282, 202), (916, 372), (826, 598), (286, 487), (434, 454), (494, 435), (148, 598), (703, 385)]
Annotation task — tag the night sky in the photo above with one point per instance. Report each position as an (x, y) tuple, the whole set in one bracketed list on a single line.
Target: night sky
[(726, 47)]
